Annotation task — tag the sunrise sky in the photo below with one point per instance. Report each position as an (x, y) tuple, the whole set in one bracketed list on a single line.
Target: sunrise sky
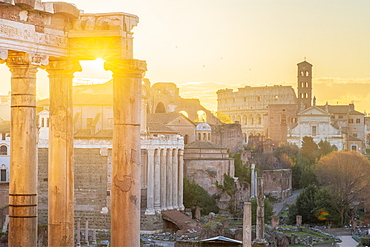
[(206, 45)]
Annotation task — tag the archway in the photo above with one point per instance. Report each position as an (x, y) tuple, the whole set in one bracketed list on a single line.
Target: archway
[(160, 108)]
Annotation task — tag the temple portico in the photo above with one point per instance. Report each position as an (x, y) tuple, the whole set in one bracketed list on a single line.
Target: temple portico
[(55, 36)]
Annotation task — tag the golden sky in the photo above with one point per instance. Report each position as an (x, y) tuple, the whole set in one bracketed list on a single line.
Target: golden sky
[(206, 45)]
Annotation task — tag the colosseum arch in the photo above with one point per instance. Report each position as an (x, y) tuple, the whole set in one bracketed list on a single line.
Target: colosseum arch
[(160, 108)]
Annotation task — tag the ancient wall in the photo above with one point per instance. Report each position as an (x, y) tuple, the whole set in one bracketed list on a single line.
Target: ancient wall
[(90, 187), (278, 183), (228, 135)]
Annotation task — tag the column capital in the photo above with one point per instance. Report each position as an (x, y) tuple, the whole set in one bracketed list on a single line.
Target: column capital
[(126, 66), (23, 58), (62, 66)]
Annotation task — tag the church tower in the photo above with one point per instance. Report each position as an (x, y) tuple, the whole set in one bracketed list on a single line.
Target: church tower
[(304, 85)]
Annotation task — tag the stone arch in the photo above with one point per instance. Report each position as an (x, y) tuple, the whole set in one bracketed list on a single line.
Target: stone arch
[(251, 120), (283, 119), (201, 116), (245, 120), (184, 113), (259, 119), (160, 108)]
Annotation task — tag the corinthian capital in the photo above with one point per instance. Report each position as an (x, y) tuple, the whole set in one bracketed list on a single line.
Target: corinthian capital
[(126, 66), (23, 58), (63, 66)]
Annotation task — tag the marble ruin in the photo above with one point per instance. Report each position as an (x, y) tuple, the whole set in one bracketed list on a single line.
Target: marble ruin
[(55, 36)]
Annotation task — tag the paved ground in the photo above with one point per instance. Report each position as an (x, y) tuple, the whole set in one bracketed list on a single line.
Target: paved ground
[(347, 241), (278, 207)]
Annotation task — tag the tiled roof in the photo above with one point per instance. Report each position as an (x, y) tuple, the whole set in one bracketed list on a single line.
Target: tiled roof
[(165, 118), (355, 113), (336, 109), (160, 128), (203, 144)]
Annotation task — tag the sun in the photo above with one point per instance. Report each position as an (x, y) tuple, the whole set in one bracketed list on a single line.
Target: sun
[(93, 69)]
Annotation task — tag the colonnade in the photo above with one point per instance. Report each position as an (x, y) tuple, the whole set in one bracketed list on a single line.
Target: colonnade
[(165, 180), (127, 77)]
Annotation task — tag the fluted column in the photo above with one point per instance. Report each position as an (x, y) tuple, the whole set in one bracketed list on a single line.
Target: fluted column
[(126, 186), (157, 181), (181, 179), (23, 168), (150, 188), (60, 165), (175, 180), (163, 179), (169, 179)]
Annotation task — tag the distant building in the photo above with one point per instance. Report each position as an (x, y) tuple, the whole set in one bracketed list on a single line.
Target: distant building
[(316, 123), (276, 113), (206, 162), (4, 151)]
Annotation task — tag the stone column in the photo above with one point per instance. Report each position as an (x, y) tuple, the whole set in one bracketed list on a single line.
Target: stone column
[(126, 186), (23, 168), (157, 181), (247, 225), (87, 232), (260, 226), (60, 164), (253, 184), (78, 241), (150, 189), (163, 179), (181, 179), (175, 189), (169, 179)]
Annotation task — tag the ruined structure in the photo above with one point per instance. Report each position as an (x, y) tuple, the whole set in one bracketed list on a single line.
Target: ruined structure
[(55, 36)]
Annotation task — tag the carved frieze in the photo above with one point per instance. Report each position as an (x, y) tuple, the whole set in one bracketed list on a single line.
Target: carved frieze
[(109, 21)]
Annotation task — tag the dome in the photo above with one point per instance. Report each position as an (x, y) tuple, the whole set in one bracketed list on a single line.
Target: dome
[(203, 127)]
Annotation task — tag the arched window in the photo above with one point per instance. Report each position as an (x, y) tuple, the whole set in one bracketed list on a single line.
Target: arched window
[(199, 137), (160, 108), (259, 120), (283, 119), (3, 150), (209, 136), (204, 136), (186, 139), (307, 73)]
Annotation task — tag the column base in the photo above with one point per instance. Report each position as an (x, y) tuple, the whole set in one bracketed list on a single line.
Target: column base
[(149, 212), (259, 242), (182, 208)]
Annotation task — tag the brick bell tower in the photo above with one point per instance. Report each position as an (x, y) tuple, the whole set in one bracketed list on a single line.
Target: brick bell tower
[(304, 85)]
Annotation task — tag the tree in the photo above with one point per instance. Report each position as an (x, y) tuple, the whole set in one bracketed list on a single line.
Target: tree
[(223, 117), (309, 149), (197, 196), (289, 149), (313, 204), (347, 176), (242, 171), (325, 148)]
